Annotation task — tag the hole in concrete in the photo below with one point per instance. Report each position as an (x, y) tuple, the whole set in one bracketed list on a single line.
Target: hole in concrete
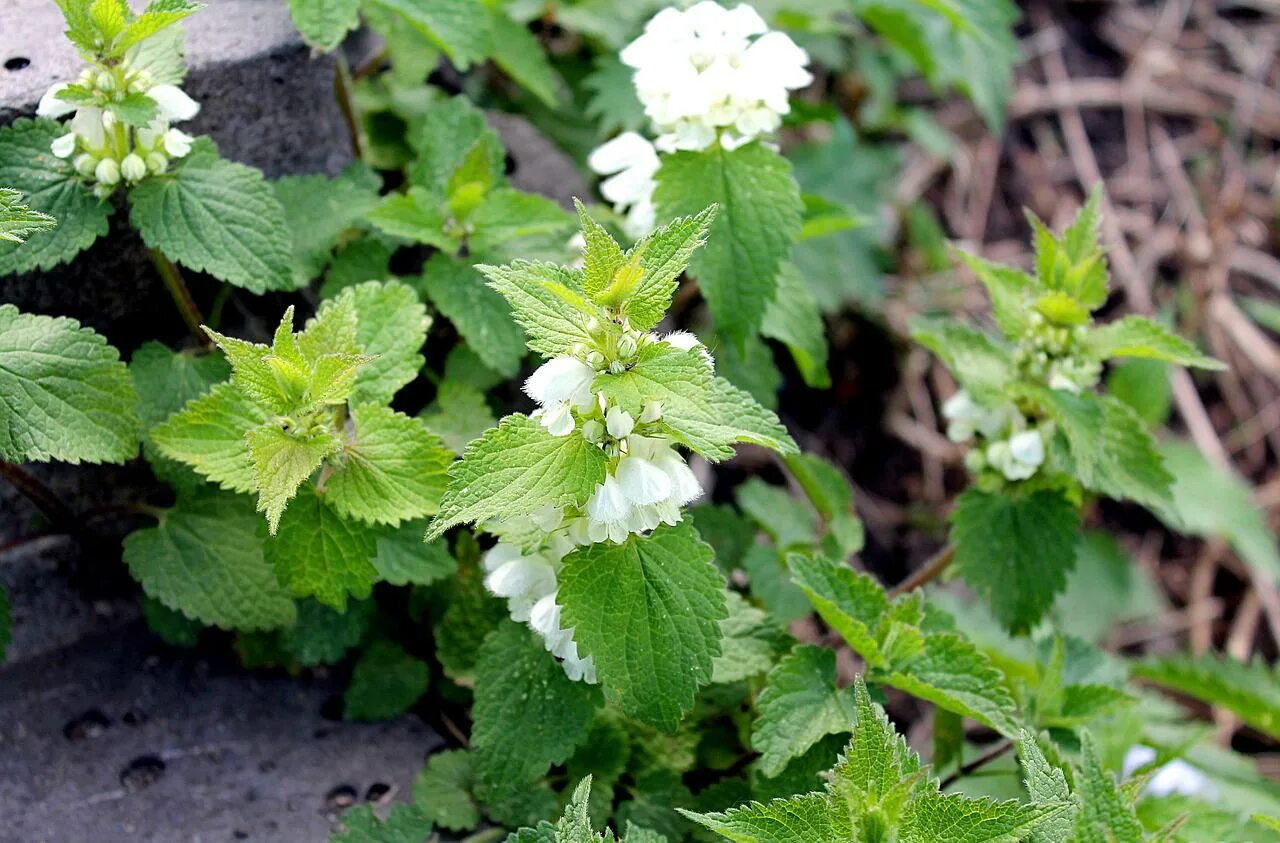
[(342, 796), (376, 791), (88, 725), (509, 165), (238, 834), (133, 717), (320, 734), (331, 708), (142, 772), (17, 63), (267, 766)]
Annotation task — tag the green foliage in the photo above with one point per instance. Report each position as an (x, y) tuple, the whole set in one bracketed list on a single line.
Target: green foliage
[(576, 826), (219, 217), (17, 221), (443, 790), (404, 824), (648, 612), (64, 394), (1250, 691), (323, 635), (318, 553), (480, 315), (324, 23), (799, 706), (109, 28), (319, 210), (386, 682)]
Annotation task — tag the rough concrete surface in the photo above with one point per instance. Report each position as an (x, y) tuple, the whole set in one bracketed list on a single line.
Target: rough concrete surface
[(119, 739)]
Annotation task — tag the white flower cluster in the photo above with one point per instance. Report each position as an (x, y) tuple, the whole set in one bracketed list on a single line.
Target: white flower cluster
[(1175, 777), (1011, 448), (704, 75), (647, 484), (106, 150)]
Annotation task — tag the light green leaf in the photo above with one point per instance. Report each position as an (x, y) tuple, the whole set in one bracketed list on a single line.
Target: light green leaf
[(17, 220), (219, 217), (324, 23), (878, 771), (402, 557), (520, 55), (794, 320), (955, 817), (205, 560), (612, 102), (1106, 813), (851, 603), (459, 27), (447, 135), (158, 15), (391, 326), (51, 187), (799, 706), (545, 302), (830, 492), (528, 715), (317, 553), (954, 675), (459, 414), (510, 224), (393, 470), (759, 218), (787, 519), (64, 393), (443, 790), (810, 817), (417, 216), (664, 255), (517, 468), (405, 824), (729, 416), (1250, 691), (751, 642), (980, 364), (386, 682), (1046, 784), (318, 209), (209, 436), (281, 462), (481, 315), (1137, 336), (1016, 550), (648, 612)]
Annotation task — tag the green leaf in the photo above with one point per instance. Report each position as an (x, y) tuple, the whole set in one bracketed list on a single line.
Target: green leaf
[(664, 255), (365, 259), (1209, 501), (317, 553), (793, 319), (391, 325), (759, 218), (481, 315), (953, 674), (134, 109), (1074, 263), (980, 364), (319, 209), (165, 381), (459, 414), (324, 23), (393, 470), (544, 301), (528, 715), (159, 15), (417, 216), (459, 27), (851, 603), (386, 682), (751, 642), (470, 615), (787, 520), (647, 611), (1137, 336), (771, 583), (510, 224), (612, 102), (809, 817), (1010, 290), (51, 187), (443, 790), (169, 625), (1045, 784), (517, 468), (729, 416), (209, 436), (219, 217), (799, 706), (402, 557), (829, 491), (282, 462), (1016, 550), (405, 824), (17, 220), (1250, 691), (1106, 813), (520, 56), (953, 816), (64, 393), (205, 560), (322, 635), (448, 134)]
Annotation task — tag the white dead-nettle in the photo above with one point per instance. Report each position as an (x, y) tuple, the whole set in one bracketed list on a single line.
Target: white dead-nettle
[(631, 162), (1011, 448), (105, 150), (560, 386), (1176, 777), (711, 73)]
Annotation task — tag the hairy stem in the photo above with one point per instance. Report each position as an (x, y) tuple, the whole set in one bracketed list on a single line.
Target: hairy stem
[(44, 498), (981, 761), (927, 572), (346, 104), (181, 295)]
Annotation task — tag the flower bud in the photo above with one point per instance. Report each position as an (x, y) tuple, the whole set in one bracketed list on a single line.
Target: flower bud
[(107, 172), (133, 168), (64, 145), (108, 120), (106, 82), (157, 162), (85, 164)]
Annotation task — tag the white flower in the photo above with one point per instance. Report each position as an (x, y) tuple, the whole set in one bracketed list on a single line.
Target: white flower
[(641, 481), (619, 423), (1027, 447), (560, 385), (177, 143), (686, 341), (580, 670), (107, 172), (631, 162), (1175, 777), (962, 413), (51, 106), (63, 145), (522, 580), (652, 412), (133, 168), (608, 504), (87, 124), (173, 103), (1019, 456), (704, 73)]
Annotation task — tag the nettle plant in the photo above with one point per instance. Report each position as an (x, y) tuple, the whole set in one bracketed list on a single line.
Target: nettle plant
[(627, 653)]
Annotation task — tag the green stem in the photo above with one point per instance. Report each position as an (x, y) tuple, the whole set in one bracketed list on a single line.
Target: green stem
[(346, 104), (220, 300), (181, 295), (981, 761), (927, 572)]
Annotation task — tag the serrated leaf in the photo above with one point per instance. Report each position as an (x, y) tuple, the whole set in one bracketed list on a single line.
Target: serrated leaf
[(1016, 550), (1009, 289), (809, 817), (1045, 784), (759, 218), (664, 255), (793, 319), (158, 15), (459, 414), (955, 817), (405, 824), (282, 462), (830, 492), (877, 770), (324, 23), (391, 326), (786, 519), (1137, 336), (51, 187), (219, 217), (318, 209), (417, 216), (1106, 813), (205, 560), (402, 557), (323, 635), (445, 138), (982, 365), (385, 682), (521, 57), (209, 435), (443, 790), (393, 470), (1250, 691), (471, 614), (750, 644), (517, 468), (169, 625), (134, 109), (459, 27), (319, 554), (613, 103), (545, 303), (64, 393), (647, 611), (17, 220), (851, 603), (480, 314), (528, 715), (727, 416), (953, 674), (799, 706), (510, 224)]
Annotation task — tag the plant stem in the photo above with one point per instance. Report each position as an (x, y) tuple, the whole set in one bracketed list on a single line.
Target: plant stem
[(982, 760), (927, 572), (181, 295), (346, 104), (44, 498)]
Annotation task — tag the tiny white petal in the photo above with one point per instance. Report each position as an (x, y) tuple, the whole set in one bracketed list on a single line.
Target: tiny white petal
[(561, 379), (63, 145), (173, 103), (619, 423), (608, 503), (642, 482), (51, 106), (177, 143), (1027, 447)]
